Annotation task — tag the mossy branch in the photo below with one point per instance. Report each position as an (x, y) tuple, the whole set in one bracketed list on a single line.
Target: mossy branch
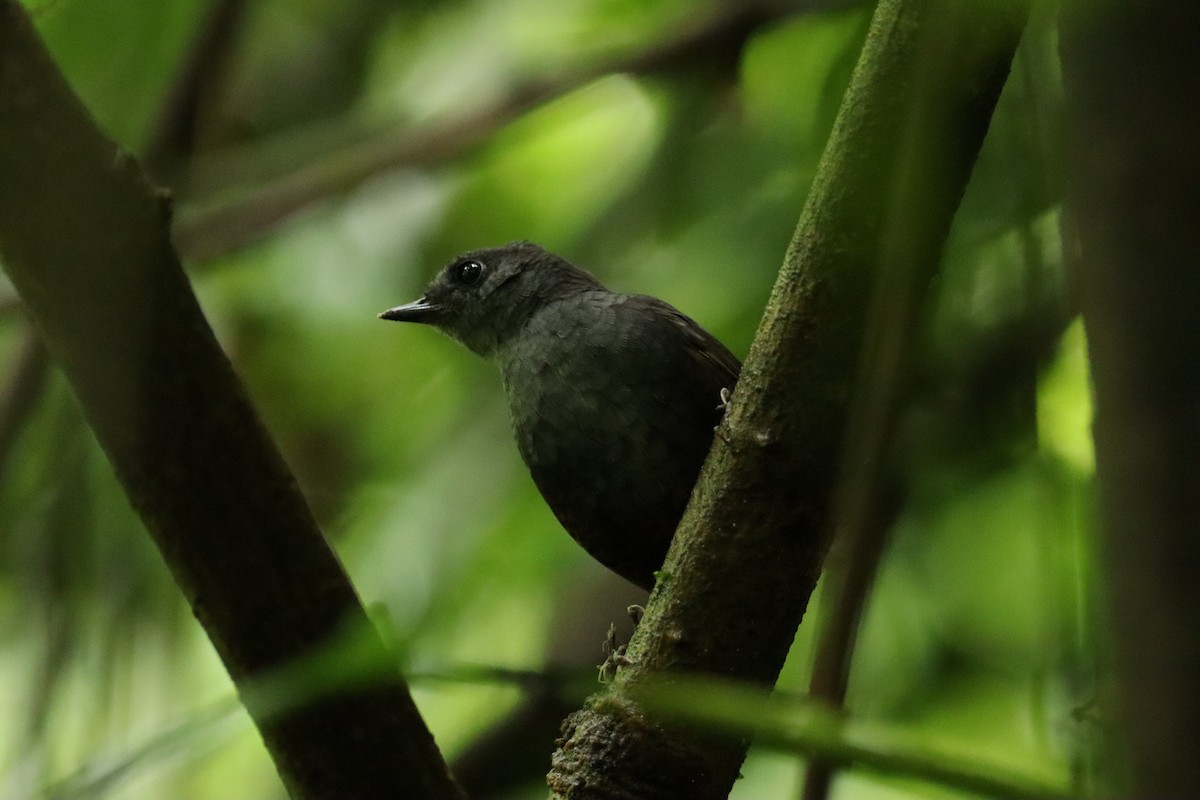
[(85, 240), (748, 551)]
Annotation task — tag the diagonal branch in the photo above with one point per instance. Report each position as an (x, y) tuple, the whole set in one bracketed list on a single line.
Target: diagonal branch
[(748, 551), (213, 228), (85, 240)]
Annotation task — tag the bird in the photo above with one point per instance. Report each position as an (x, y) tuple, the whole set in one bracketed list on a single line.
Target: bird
[(614, 398)]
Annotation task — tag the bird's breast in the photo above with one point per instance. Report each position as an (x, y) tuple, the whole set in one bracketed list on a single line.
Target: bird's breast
[(613, 417)]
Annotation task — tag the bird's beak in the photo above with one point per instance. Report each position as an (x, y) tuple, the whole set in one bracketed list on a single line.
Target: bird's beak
[(421, 310)]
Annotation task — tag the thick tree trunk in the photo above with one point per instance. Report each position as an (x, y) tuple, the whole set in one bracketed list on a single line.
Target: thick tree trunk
[(1132, 233)]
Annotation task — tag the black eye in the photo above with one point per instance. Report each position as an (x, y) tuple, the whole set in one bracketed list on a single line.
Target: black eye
[(466, 273)]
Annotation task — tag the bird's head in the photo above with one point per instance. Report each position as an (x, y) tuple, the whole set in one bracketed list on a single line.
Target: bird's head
[(484, 297)]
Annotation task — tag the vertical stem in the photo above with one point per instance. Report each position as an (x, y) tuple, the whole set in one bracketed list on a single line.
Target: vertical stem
[(1132, 234)]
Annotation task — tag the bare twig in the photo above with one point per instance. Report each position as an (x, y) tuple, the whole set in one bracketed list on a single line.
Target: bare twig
[(206, 230), (21, 391), (173, 136)]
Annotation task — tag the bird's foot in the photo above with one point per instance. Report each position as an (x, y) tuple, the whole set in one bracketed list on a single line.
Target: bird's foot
[(723, 407), (614, 656)]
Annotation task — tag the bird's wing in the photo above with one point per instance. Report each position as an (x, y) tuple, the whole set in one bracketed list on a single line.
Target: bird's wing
[(713, 361)]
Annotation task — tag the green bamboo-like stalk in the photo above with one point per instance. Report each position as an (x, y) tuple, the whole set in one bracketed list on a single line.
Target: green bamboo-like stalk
[(748, 552)]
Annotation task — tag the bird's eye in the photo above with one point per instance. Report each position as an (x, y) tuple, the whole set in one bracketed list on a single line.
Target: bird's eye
[(466, 273)]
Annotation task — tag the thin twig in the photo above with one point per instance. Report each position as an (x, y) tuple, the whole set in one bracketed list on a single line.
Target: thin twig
[(208, 229), (799, 725), (172, 137), (21, 391)]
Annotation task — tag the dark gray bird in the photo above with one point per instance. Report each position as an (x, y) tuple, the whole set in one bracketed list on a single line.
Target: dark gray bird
[(613, 397)]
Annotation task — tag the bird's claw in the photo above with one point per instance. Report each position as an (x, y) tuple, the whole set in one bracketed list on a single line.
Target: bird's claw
[(614, 656), (723, 407)]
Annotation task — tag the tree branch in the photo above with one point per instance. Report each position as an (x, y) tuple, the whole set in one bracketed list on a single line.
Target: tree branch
[(1130, 232), (85, 240), (19, 395), (748, 551), (211, 229), (200, 75), (872, 490)]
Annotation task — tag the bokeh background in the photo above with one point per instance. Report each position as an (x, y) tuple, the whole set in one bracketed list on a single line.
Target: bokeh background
[(326, 159)]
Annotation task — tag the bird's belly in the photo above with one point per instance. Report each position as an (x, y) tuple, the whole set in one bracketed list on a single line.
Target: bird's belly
[(613, 467)]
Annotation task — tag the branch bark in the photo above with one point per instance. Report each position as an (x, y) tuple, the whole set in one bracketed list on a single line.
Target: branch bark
[(748, 551), (1131, 233), (85, 241)]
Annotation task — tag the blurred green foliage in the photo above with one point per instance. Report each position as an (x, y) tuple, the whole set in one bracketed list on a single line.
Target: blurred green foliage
[(682, 181)]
